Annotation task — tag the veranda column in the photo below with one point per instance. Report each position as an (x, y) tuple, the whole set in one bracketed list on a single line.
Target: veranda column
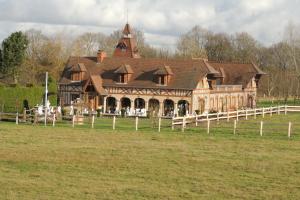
[(175, 109), (104, 105), (97, 102), (146, 105), (118, 106), (160, 112), (254, 102), (132, 105)]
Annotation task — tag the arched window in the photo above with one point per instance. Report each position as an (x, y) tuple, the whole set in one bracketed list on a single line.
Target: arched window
[(111, 104), (125, 102), (183, 107), (168, 108)]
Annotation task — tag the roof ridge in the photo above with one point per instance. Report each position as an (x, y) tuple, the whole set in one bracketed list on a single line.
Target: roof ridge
[(229, 62)]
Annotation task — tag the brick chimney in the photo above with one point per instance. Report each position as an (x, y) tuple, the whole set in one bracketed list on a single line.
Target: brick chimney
[(100, 56)]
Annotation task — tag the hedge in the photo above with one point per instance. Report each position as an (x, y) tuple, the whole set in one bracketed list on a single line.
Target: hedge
[(12, 98)]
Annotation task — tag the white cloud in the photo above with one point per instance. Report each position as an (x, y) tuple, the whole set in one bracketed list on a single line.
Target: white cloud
[(161, 20)]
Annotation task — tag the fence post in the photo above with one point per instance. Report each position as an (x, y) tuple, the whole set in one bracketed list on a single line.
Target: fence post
[(93, 120), (53, 120), (278, 110), (183, 124), (196, 120), (207, 117), (35, 118), (227, 116), (46, 110), (218, 117), (2, 111), (263, 112), (114, 123), (208, 126), (289, 131), (136, 123), (246, 114), (17, 118), (271, 111), (234, 127), (172, 123), (261, 128), (73, 121), (159, 124), (237, 115), (285, 109), (24, 114)]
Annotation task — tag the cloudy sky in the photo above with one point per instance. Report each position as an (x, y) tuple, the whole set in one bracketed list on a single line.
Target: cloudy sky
[(161, 20)]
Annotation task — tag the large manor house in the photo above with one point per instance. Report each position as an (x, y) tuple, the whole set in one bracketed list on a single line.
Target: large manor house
[(127, 81)]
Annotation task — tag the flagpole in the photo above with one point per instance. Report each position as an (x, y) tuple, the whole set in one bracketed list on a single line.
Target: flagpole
[(46, 98)]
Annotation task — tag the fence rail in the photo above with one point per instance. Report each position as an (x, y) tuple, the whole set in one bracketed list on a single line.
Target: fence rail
[(184, 121), (141, 123)]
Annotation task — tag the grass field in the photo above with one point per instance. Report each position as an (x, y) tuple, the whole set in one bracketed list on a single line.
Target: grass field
[(261, 102), (39, 162)]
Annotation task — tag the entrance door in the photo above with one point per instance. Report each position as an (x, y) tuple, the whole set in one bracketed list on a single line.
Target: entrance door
[(201, 106), (250, 102), (92, 102)]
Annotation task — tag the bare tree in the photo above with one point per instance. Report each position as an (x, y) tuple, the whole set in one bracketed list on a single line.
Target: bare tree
[(219, 47), (245, 47), (88, 44), (193, 43)]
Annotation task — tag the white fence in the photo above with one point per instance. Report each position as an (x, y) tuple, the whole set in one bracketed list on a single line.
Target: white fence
[(183, 121), (180, 122)]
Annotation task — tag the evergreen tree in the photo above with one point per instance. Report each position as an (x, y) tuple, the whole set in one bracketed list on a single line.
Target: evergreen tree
[(13, 54), (0, 58)]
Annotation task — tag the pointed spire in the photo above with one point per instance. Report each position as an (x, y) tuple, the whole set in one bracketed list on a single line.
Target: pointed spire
[(127, 46), (127, 30)]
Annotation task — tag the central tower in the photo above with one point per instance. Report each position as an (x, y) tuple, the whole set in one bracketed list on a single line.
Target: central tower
[(127, 46)]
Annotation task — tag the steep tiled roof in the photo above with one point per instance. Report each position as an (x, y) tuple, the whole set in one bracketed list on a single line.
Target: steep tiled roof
[(127, 29), (186, 73), (236, 73), (97, 82), (127, 45)]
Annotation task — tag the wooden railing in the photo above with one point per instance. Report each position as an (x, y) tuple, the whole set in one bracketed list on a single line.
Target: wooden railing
[(227, 87), (184, 121)]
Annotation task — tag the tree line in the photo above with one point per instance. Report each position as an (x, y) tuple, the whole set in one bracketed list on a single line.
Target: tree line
[(25, 56)]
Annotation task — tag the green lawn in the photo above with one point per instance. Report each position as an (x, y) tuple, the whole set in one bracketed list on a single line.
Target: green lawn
[(39, 162), (261, 102)]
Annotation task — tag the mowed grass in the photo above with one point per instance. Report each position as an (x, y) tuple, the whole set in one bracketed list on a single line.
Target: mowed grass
[(39, 162)]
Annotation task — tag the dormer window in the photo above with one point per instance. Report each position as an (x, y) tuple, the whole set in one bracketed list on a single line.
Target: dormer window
[(78, 72), (162, 79), (122, 78), (122, 46), (76, 76), (163, 75), (124, 74)]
